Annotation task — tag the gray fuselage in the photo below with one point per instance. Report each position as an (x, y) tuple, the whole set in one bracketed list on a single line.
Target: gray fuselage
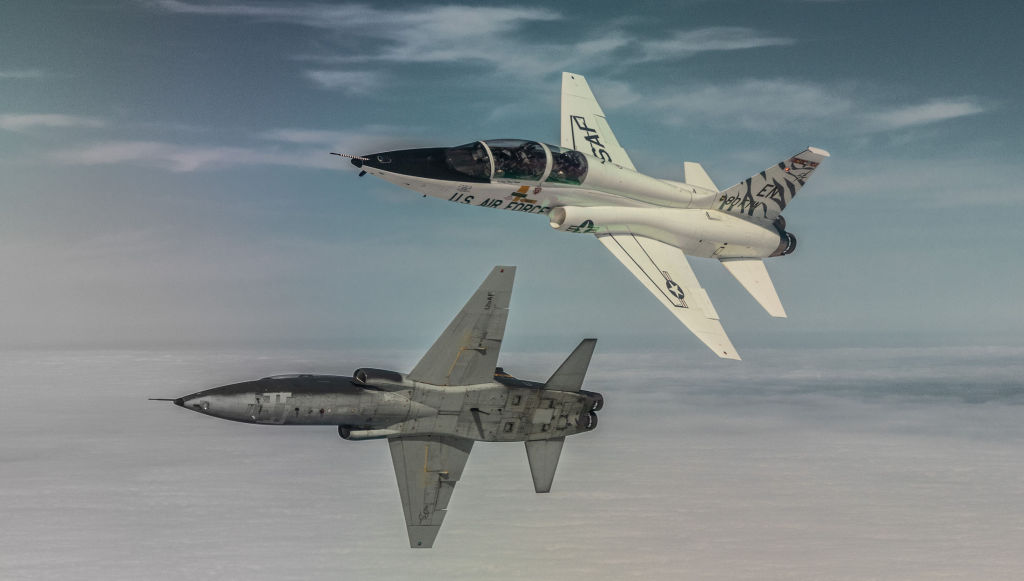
[(383, 404)]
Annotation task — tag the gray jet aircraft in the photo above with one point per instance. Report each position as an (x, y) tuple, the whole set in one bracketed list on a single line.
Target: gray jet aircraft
[(431, 416)]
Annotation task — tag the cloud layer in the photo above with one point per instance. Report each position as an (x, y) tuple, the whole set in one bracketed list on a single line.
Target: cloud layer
[(27, 121), (719, 476)]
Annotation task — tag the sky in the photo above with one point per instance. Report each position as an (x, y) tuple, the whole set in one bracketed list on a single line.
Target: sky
[(167, 177), (171, 220)]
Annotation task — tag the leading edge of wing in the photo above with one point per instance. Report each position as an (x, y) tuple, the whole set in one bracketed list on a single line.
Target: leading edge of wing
[(427, 468), (466, 353), (663, 269)]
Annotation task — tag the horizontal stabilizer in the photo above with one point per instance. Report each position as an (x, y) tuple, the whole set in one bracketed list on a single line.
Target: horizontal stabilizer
[(753, 275), (569, 376), (694, 174), (543, 456)]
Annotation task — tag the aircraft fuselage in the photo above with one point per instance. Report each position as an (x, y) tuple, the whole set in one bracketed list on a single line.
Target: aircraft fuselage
[(601, 197), (380, 404)]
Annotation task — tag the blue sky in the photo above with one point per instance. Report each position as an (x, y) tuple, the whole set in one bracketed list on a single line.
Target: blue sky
[(167, 178)]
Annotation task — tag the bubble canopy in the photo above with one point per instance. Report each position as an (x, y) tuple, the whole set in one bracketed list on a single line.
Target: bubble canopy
[(518, 160)]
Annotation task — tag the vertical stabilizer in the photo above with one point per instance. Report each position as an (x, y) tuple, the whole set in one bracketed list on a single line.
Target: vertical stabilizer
[(543, 456), (767, 194), (570, 374)]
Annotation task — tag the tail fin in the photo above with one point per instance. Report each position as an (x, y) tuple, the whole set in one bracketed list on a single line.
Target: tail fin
[(543, 454), (569, 376), (766, 194)]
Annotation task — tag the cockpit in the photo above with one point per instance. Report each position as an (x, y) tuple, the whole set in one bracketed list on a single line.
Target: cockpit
[(518, 160)]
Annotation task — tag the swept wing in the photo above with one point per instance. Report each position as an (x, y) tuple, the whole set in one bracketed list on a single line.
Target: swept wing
[(466, 353), (663, 269), (584, 127), (427, 468)]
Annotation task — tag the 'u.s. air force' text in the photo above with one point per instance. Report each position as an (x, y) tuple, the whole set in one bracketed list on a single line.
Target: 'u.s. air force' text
[(514, 205)]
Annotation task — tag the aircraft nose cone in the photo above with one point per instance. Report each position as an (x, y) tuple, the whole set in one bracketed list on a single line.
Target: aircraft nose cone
[(180, 402), (429, 163), (382, 160)]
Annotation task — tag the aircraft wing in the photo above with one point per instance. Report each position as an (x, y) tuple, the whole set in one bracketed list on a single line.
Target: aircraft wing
[(427, 468), (584, 127), (663, 269), (467, 352)]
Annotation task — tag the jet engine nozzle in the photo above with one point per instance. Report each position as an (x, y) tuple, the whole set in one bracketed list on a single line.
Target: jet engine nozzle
[(787, 244), (587, 420), (787, 241), (597, 402)]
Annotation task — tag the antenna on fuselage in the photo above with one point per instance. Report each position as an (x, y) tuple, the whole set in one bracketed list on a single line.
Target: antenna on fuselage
[(363, 172)]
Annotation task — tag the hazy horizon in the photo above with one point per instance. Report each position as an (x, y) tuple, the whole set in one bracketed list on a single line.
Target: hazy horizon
[(849, 464)]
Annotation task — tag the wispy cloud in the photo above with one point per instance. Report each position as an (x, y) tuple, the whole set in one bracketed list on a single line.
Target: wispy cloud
[(187, 158), (496, 38), (768, 104), (923, 114), (23, 122), (352, 82), (294, 147), (763, 104), (22, 74), (411, 29), (425, 34), (716, 38), (367, 139), (308, 136)]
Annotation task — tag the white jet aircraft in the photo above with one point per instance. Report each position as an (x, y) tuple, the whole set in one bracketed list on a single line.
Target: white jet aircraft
[(588, 185)]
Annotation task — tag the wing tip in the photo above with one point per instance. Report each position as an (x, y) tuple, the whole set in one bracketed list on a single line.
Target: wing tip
[(422, 536)]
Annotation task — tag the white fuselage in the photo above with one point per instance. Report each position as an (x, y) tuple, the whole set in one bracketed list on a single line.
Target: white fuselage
[(613, 200)]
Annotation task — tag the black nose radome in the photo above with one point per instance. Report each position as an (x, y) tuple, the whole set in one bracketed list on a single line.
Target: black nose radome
[(357, 162), (180, 402)]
